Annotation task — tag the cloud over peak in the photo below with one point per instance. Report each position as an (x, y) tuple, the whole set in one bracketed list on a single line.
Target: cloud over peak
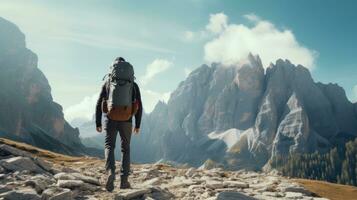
[(233, 42), (83, 110), (154, 68), (217, 23)]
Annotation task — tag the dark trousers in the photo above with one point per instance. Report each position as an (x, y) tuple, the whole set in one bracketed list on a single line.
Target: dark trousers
[(112, 129)]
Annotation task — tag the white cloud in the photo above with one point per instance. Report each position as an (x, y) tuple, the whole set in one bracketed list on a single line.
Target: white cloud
[(192, 36), (233, 42), (150, 99), (252, 17), (154, 68), (188, 35), (84, 110), (217, 23)]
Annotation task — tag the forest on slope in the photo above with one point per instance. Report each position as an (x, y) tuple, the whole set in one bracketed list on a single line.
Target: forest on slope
[(339, 165)]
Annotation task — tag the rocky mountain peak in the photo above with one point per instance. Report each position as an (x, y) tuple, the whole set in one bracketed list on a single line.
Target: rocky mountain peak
[(11, 39), (28, 112), (260, 114)]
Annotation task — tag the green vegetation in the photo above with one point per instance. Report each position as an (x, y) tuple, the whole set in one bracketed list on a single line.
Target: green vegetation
[(339, 165)]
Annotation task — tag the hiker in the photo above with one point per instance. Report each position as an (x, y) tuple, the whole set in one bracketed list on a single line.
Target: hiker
[(119, 99)]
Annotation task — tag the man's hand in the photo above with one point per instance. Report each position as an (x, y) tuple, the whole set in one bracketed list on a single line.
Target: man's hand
[(99, 129), (136, 131)]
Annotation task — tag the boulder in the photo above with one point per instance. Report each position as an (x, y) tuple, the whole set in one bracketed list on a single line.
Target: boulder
[(132, 194), (233, 196), (86, 179), (43, 164), (297, 189), (214, 184), (39, 182), (293, 195), (88, 187), (236, 184), (6, 150), (56, 193), (20, 164), (71, 184), (23, 194), (4, 188), (154, 181)]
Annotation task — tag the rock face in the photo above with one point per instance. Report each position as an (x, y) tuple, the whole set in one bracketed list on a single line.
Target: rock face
[(84, 178), (28, 112), (241, 113)]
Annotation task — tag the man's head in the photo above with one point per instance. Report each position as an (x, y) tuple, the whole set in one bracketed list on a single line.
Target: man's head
[(119, 59)]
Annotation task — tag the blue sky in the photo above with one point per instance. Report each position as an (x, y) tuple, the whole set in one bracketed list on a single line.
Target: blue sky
[(77, 40)]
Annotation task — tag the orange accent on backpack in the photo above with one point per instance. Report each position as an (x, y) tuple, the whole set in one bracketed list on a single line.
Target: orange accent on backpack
[(120, 113)]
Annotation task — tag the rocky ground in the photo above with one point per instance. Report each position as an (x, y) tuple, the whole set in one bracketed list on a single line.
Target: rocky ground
[(31, 174)]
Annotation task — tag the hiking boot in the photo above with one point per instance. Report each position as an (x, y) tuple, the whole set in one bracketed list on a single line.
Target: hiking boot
[(109, 186), (124, 183)]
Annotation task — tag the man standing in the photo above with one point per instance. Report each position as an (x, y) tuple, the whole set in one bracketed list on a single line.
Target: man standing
[(120, 99)]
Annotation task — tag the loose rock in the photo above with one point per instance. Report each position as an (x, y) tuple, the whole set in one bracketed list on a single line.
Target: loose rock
[(20, 164), (71, 184), (64, 176), (24, 194), (135, 193), (214, 184), (86, 179), (56, 193), (233, 196)]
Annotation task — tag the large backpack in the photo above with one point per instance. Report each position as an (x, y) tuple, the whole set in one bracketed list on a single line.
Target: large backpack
[(120, 105)]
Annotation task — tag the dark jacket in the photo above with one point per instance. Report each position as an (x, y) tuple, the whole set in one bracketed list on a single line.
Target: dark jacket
[(103, 95)]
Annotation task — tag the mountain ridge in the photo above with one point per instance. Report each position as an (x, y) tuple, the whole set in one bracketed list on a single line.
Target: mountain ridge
[(28, 112), (277, 111)]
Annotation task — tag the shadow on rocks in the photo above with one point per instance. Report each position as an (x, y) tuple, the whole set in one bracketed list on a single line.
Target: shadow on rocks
[(233, 196)]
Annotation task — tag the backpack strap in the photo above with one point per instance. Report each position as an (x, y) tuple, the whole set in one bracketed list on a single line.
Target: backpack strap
[(107, 87), (134, 93)]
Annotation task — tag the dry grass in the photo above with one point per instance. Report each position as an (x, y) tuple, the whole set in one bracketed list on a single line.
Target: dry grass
[(329, 190), (48, 155)]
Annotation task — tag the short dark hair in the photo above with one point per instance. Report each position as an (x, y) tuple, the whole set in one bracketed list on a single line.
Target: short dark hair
[(120, 59)]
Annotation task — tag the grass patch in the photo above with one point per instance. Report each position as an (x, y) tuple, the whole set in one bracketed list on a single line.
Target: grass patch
[(329, 190), (47, 155)]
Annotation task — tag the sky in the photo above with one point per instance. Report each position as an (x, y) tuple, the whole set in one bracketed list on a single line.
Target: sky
[(76, 41)]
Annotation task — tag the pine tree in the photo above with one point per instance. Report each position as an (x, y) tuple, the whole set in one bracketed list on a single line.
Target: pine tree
[(338, 165)]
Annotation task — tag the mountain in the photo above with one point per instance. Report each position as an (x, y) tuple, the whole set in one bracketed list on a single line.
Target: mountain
[(27, 110), (28, 172), (244, 116)]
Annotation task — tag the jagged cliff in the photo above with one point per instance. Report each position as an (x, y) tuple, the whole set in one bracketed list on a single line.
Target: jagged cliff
[(243, 116), (27, 110)]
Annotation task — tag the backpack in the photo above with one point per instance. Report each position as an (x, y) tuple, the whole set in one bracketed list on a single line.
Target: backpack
[(120, 105)]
